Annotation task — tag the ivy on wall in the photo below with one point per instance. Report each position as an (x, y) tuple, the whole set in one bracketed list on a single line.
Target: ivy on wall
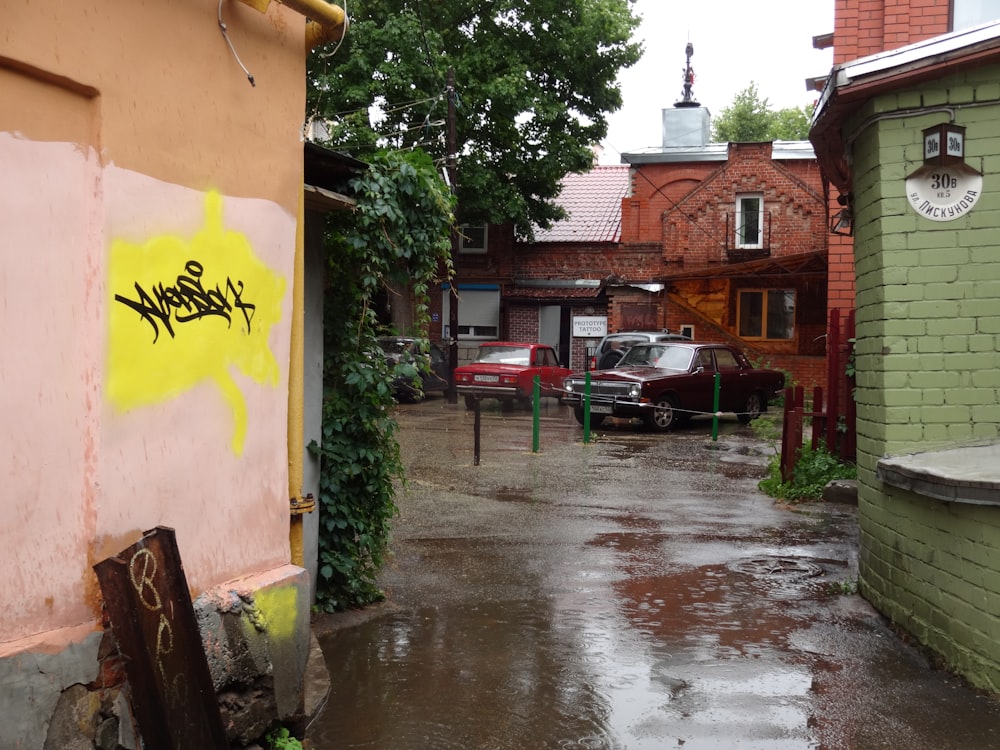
[(398, 236)]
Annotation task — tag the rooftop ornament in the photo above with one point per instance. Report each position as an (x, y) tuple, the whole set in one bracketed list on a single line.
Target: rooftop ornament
[(687, 75)]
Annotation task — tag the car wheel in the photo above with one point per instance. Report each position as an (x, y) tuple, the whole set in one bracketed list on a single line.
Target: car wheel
[(664, 414), (595, 419), (470, 402), (754, 407)]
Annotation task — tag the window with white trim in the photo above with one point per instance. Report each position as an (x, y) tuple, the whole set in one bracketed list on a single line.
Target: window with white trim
[(968, 13), (767, 314), (478, 313), (472, 239), (750, 220)]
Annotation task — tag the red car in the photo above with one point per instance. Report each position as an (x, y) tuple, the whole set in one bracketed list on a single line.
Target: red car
[(507, 370), (670, 382)]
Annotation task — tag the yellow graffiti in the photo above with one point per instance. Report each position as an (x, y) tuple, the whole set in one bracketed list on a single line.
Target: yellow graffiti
[(279, 607), (183, 312)]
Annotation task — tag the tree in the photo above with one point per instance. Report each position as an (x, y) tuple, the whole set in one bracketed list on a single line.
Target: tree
[(534, 85), (751, 119), (398, 231)]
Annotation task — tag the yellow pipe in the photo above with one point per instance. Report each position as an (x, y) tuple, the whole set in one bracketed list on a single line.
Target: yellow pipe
[(296, 393), (324, 22)]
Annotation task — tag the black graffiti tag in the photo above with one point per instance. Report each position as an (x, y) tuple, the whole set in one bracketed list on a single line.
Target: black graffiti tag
[(188, 300)]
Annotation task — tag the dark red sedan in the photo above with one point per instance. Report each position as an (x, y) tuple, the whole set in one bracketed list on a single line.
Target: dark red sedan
[(507, 370), (666, 383)]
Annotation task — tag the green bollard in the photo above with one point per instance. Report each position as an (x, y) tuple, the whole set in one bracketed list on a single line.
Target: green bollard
[(586, 408), (536, 398), (715, 408)]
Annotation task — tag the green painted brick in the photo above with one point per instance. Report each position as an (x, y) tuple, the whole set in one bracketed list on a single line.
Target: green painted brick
[(961, 94), (907, 397), (970, 361), (932, 274), (929, 345), (957, 326), (983, 217), (943, 414), (957, 343), (982, 272), (954, 290), (970, 396), (986, 378), (980, 307), (901, 326), (938, 248), (986, 238), (934, 309), (988, 91), (989, 325), (982, 343), (931, 379), (935, 97), (960, 433), (904, 293), (985, 430)]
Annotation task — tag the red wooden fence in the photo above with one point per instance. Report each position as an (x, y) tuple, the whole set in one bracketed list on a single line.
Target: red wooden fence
[(833, 420)]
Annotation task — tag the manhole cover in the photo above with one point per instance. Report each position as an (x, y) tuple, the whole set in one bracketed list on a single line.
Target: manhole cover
[(782, 568)]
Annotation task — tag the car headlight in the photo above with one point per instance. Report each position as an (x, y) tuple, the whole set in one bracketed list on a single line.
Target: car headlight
[(568, 385), (634, 390)]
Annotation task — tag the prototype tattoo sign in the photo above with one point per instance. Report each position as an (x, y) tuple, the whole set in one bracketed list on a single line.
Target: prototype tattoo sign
[(945, 188), (188, 311)]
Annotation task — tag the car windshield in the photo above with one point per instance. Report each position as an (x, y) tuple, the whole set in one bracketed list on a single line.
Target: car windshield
[(505, 355), (395, 346), (664, 356)]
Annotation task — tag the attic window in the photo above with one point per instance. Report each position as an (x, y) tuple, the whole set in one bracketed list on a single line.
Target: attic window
[(750, 220), (472, 239)]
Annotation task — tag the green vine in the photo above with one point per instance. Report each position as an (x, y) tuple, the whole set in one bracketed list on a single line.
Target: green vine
[(397, 237), (814, 469), (282, 739)]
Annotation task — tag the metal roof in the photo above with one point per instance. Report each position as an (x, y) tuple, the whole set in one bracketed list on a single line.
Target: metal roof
[(780, 151), (593, 203)]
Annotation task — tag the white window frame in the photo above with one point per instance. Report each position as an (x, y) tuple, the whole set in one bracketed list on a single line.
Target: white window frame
[(741, 240), (468, 239), (478, 313), (968, 13)]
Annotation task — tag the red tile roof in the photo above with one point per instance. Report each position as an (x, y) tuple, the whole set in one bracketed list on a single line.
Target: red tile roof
[(593, 202)]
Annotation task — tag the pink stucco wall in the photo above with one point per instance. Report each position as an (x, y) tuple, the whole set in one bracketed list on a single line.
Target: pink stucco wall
[(121, 119)]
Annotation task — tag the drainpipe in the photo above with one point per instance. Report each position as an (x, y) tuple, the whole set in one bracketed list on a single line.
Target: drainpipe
[(298, 505), (324, 22)]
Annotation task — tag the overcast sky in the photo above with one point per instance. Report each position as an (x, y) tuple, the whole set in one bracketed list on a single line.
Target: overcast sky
[(735, 42)]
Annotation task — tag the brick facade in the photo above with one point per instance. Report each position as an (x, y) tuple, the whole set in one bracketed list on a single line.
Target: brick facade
[(867, 27)]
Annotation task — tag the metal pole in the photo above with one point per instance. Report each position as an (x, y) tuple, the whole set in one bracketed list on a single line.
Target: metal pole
[(475, 431), (452, 168), (715, 407), (586, 407), (536, 397)]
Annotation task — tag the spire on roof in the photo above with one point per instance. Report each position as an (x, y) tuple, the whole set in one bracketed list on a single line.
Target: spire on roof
[(687, 75)]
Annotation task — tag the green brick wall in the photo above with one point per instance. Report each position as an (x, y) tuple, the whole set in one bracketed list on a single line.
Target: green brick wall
[(928, 364)]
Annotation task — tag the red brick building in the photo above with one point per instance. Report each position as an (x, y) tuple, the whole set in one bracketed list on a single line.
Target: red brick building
[(726, 242)]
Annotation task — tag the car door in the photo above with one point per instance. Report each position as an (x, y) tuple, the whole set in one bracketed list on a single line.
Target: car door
[(702, 382), (548, 367), (736, 384)]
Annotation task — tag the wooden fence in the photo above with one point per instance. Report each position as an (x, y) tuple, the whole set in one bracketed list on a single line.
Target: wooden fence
[(833, 417)]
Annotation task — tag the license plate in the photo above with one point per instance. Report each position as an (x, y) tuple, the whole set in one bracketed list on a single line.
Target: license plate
[(600, 409), (487, 378)]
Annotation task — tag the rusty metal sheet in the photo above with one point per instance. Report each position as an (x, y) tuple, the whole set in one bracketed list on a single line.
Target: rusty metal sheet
[(152, 617)]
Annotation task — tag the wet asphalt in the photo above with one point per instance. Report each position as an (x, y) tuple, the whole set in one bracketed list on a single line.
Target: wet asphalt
[(637, 592)]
